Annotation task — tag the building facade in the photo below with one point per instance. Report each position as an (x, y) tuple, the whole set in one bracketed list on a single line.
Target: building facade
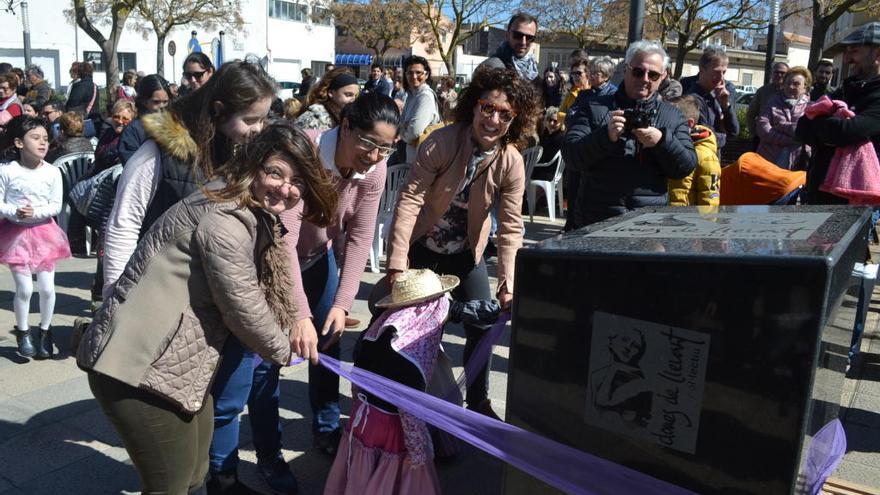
[(281, 33)]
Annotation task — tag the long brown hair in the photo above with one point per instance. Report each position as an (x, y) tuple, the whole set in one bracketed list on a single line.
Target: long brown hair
[(320, 93), (280, 139), (519, 93), (237, 85)]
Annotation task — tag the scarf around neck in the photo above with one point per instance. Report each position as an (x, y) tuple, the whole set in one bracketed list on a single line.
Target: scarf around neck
[(526, 67)]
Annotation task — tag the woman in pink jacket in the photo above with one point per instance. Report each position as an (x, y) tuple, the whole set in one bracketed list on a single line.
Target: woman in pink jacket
[(442, 215), (778, 121)]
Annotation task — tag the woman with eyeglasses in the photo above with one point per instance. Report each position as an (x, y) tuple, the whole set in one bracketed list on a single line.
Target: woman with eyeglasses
[(197, 70), (214, 269), (325, 102), (152, 95), (353, 156), (441, 221), (421, 108)]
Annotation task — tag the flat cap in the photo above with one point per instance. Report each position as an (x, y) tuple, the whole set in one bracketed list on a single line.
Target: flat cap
[(869, 34)]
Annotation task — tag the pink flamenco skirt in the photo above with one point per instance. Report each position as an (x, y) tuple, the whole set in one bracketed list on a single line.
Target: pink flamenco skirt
[(373, 460), (32, 248)]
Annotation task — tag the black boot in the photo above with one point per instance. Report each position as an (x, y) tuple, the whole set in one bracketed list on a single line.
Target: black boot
[(227, 483), (44, 343), (25, 345)]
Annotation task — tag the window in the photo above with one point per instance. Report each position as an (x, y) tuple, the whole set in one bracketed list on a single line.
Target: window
[(126, 60), (288, 11), (322, 16), (747, 78)]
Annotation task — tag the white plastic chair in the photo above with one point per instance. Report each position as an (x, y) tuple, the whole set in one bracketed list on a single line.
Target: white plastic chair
[(394, 180), (73, 167), (531, 156), (552, 189)]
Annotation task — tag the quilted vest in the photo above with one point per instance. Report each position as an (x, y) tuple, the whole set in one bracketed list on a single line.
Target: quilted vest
[(178, 180)]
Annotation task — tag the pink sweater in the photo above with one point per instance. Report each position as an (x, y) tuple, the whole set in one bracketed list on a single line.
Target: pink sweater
[(350, 235)]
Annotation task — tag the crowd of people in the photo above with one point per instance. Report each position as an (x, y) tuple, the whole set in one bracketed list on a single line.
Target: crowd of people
[(234, 233)]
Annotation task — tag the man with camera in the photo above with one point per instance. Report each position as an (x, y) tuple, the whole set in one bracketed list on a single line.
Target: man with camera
[(627, 145)]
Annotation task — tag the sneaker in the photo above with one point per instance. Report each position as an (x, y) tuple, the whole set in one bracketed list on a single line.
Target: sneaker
[(328, 441), (278, 476), (227, 483)]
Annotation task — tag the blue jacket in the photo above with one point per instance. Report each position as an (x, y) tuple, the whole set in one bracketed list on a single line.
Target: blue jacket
[(381, 86)]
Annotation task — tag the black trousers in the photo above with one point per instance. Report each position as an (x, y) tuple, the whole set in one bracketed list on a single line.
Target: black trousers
[(474, 284)]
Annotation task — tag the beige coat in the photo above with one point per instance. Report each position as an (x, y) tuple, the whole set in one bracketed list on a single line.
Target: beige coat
[(192, 280), (436, 178)]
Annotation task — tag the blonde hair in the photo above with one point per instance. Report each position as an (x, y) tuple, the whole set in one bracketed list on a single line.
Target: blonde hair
[(800, 71), (71, 124), (292, 107)]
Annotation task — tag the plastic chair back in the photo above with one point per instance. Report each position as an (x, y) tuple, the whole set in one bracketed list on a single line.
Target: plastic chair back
[(73, 167), (394, 179), (531, 157)]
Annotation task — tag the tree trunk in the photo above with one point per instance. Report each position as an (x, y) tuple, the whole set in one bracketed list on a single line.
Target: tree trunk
[(111, 70), (681, 52), (820, 29), (160, 54)]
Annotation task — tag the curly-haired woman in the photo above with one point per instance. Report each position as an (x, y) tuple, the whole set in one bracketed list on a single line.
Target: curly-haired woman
[(325, 102), (442, 216), (213, 269)]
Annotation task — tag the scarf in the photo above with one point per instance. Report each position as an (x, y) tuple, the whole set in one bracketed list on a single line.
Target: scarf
[(526, 67)]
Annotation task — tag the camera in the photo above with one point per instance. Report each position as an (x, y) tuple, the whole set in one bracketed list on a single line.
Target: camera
[(638, 118)]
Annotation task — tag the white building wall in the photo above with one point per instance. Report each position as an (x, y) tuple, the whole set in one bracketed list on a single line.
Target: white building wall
[(56, 43)]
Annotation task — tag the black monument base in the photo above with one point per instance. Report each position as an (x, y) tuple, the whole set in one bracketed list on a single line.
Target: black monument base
[(696, 346)]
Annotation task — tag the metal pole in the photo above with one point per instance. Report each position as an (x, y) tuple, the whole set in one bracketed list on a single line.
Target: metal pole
[(636, 20), (26, 29), (771, 40)]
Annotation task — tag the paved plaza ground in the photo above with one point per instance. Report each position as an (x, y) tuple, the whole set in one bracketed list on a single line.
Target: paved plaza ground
[(54, 438)]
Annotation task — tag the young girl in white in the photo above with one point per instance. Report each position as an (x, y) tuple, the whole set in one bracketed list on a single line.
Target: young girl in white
[(30, 240)]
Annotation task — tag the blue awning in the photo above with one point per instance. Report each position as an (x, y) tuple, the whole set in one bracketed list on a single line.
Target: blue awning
[(353, 59)]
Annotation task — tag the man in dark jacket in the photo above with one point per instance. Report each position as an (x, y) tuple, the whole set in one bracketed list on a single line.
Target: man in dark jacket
[(514, 51), (718, 94), (377, 82), (629, 144), (822, 75), (861, 91)]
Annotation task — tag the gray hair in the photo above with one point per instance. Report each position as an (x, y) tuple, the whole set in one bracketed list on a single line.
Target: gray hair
[(550, 112), (35, 69), (713, 54), (644, 47), (602, 65)]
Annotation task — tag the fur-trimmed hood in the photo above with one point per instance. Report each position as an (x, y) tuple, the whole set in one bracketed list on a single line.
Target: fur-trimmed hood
[(171, 135)]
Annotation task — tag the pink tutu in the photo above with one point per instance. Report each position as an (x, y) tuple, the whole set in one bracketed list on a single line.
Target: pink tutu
[(32, 248), (375, 460)]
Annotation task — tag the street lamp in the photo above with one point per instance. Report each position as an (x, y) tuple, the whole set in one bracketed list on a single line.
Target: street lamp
[(771, 40), (26, 27)]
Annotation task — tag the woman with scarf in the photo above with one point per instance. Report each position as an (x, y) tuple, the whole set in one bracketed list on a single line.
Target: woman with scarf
[(777, 124), (462, 171), (212, 268)]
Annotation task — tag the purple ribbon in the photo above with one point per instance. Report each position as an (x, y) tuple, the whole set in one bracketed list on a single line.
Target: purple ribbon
[(824, 454), (558, 465)]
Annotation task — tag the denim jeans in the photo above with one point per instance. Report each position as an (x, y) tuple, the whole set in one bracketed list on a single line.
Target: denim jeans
[(231, 389), (320, 282)]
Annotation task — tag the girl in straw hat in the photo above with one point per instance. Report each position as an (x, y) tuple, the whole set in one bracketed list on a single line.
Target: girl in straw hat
[(402, 344)]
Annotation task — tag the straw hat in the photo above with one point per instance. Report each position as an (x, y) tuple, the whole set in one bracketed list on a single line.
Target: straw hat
[(415, 286)]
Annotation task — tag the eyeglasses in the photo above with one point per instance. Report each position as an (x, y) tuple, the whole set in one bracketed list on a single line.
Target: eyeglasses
[(577, 73), (416, 73), (780, 72), (519, 35), (639, 73), (197, 75), (368, 145), (279, 180), (489, 109), (46, 113)]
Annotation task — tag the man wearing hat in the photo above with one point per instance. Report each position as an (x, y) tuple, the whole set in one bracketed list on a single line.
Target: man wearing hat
[(861, 92)]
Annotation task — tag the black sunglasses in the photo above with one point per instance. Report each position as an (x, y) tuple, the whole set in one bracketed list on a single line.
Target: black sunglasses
[(639, 73), (194, 75), (518, 34)]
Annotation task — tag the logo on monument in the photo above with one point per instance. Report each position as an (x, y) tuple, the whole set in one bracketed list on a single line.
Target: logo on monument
[(646, 380)]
